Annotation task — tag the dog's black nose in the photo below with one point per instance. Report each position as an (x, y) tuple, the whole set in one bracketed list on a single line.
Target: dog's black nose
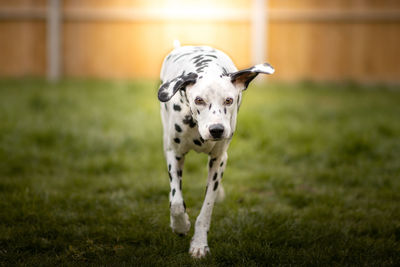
[(216, 130)]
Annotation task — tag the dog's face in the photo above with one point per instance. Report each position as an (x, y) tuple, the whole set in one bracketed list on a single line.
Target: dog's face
[(213, 99), (213, 103)]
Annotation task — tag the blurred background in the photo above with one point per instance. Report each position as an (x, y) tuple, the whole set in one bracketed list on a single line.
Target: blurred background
[(313, 171), (304, 39)]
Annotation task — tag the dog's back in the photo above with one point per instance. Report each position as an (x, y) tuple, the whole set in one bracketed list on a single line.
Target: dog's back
[(201, 60)]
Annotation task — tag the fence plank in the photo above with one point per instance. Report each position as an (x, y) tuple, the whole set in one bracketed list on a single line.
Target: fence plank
[(323, 40), (53, 40)]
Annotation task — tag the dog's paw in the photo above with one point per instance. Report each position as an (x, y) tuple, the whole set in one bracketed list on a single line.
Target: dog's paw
[(180, 222), (220, 194), (180, 225), (199, 252)]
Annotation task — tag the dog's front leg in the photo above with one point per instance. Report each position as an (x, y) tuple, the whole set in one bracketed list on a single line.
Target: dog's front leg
[(199, 245), (180, 223)]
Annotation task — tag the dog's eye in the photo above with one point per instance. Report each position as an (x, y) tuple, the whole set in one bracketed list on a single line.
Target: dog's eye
[(199, 101), (228, 101)]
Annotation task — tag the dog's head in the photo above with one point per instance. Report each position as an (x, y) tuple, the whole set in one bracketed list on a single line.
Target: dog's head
[(213, 101)]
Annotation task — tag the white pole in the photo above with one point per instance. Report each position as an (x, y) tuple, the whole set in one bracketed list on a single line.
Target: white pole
[(258, 32), (266, 30), (53, 40)]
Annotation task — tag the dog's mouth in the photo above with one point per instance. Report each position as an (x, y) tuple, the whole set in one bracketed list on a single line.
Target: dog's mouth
[(222, 138), (215, 139), (209, 137)]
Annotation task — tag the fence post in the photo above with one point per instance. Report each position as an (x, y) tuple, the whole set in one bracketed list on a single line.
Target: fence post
[(258, 31), (53, 25)]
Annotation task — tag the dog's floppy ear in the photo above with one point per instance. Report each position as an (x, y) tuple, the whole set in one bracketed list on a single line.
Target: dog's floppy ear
[(244, 77), (169, 88)]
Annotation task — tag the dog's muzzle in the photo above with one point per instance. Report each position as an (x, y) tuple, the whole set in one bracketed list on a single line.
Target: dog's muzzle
[(216, 130)]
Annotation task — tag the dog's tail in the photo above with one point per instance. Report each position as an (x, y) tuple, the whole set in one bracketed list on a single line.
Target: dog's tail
[(177, 44)]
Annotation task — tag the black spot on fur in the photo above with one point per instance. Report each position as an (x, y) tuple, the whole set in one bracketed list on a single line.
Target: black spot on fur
[(215, 176), (198, 59), (224, 72), (197, 142), (198, 112), (170, 177), (201, 139), (214, 56), (177, 140), (225, 110), (184, 205), (179, 172), (222, 163), (211, 163), (189, 120), (177, 107), (209, 107), (216, 185), (169, 167), (203, 63), (173, 192), (166, 107), (178, 158), (180, 184), (178, 128), (214, 112), (200, 77)]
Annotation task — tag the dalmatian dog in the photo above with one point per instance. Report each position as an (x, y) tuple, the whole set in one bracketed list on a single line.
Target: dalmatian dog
[(200, 94)]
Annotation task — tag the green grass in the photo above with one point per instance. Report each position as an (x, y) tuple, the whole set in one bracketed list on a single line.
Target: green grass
[(313, 177)]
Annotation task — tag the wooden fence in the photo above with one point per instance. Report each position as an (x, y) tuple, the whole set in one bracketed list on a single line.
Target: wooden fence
[(303, 39)]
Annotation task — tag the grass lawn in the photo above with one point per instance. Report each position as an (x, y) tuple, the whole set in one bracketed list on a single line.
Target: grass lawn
[(313, 177)]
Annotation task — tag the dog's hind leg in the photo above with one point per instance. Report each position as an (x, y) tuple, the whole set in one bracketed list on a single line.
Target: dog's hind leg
[(180, 223)]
